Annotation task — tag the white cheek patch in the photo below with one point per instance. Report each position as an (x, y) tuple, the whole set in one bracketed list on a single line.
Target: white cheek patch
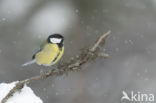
[(55, 40)]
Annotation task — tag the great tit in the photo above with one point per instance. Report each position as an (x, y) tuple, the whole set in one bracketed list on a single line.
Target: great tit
[(50, 52)]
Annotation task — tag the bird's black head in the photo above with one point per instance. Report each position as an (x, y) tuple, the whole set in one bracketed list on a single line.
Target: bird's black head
[(56, 39)]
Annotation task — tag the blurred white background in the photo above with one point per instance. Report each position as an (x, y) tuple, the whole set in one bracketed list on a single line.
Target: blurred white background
[(25, 24)]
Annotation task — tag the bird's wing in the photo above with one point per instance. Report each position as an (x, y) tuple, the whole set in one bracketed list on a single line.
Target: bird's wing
[(48, 54), (41, 47)]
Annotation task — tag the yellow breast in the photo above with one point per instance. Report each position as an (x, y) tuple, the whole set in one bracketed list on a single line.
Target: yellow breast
[(49, 55)]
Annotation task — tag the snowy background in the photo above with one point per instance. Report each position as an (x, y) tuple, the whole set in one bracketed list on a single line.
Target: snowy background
[(24, 24)]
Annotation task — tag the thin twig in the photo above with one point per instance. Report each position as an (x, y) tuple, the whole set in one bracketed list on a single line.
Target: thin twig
[(99, 41), (64, 68), (103, 55)]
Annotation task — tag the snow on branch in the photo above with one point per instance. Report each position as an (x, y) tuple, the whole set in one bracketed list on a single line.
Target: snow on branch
[(26, 95), (74, 64)]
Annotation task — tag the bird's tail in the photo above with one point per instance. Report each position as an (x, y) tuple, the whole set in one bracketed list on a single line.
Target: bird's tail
[(29, 63)]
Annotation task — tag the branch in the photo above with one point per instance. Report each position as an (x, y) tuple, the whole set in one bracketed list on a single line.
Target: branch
[(99, 41), (74, 65)]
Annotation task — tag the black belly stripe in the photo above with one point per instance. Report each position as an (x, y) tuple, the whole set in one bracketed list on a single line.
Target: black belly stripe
[(56, 57)]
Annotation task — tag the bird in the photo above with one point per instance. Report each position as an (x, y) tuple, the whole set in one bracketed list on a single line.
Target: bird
[(50, 52)]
